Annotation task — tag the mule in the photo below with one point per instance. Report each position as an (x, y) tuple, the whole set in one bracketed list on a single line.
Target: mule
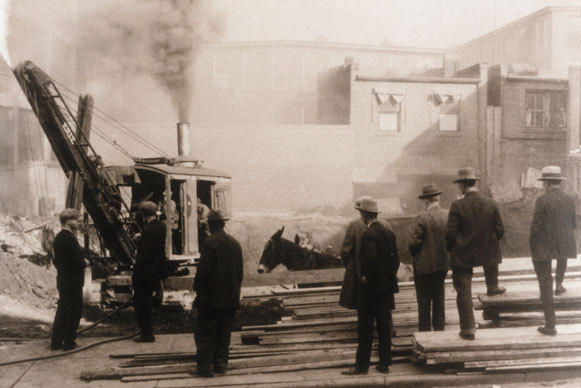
[(294, 257)]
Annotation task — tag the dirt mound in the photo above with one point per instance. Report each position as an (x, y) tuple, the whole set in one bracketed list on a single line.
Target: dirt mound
[(29, 284)]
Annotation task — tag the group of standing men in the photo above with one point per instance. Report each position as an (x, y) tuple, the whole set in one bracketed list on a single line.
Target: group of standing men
[(217, 284), (466, 236)]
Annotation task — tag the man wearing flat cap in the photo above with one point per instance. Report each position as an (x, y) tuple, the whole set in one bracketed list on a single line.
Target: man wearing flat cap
[(431, 260), (150, 268), (70, 265), (473, 232), (217, 285), (552, 238), (379, 263)]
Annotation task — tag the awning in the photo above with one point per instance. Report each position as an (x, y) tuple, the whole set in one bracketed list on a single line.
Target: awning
[(443, 98), (392, 97)]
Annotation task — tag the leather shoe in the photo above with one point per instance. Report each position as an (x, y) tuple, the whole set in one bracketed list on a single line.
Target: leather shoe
[(560, 290), (205, 373), (67, 347), (354, 372), (219, 370), (465, 336), (149, 338), (382, 368), (547, 331), (496, 291), (56, 346)]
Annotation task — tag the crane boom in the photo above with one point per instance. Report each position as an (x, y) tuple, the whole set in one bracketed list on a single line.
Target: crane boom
[(101, 197)]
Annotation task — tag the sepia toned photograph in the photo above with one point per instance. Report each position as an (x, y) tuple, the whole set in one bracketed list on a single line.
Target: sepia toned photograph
[(290, 193)]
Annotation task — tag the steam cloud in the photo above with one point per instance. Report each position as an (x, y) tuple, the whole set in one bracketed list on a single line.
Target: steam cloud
[(159, 38)]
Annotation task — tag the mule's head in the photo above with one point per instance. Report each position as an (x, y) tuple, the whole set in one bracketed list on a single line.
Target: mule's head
[(271, 254)]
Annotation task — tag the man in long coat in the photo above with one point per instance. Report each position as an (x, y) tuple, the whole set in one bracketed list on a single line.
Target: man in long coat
[(217, 285), (149, 269), (552, 238), (473, 232), (349, 297), (431, 260), (379, 264), (70, 265)]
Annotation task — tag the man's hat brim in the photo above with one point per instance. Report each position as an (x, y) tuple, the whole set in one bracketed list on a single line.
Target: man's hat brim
[(462, 180), (429, 195)]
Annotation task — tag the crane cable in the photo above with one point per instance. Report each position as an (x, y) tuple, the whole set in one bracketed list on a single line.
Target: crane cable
[(116, 124)]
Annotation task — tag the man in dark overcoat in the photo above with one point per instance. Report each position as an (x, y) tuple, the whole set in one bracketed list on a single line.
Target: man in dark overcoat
[(552, 238), (150, 268), (473, 232), (349, 296), (379, 264), (431, 260), (70, 264), (217, 285)]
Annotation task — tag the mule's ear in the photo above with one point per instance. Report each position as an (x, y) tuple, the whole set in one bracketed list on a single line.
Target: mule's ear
[(297, 239), (278, 234)]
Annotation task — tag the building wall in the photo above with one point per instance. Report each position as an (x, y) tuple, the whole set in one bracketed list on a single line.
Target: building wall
[(397, 165), (521, 146), (279, 167), (276, 82), (548, 39)]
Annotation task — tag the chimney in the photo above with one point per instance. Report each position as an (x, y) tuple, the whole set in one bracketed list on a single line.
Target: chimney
[(184, 158)]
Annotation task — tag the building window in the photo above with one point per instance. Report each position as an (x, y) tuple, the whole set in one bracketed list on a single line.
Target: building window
[(389, 111), (223, 70), (449, 111), (546, 109)]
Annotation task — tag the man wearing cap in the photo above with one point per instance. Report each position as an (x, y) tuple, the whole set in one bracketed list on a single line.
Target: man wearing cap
[(149, 269), (379, 262), (349, 296), (217, 285), (427, 246), (552, 238), (70, 265), (473, 232)]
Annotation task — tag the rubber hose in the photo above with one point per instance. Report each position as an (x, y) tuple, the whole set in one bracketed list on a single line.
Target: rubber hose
[(82, 348)]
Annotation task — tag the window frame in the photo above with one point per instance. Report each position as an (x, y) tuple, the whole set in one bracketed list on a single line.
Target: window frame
[(544, 109), (381, 108)]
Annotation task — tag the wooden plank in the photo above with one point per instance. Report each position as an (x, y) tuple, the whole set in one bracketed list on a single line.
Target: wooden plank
[(526, 361), (496, 339), (435, 358), (538, 367)]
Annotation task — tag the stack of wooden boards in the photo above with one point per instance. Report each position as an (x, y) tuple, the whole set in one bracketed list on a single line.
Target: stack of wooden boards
[(500, 349), (316, 333)]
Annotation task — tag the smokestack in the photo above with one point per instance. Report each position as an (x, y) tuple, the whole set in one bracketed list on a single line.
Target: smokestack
[(183, 139), (184, 158)]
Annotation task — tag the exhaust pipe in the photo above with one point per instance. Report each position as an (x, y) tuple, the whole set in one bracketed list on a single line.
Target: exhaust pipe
[(184, 157)]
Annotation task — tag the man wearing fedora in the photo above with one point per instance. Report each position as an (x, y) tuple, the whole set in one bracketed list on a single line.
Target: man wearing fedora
[(217, 285), (473, 232), (431, 260), (552, 238), (379, 262), (349, 296)]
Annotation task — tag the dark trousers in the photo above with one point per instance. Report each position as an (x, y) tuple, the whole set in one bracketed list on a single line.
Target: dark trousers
[(143, 305), (373, 307), (491, 276), (561, 269), (462, 280), (68, 315), (430, 296), (212, 337), (545, 279)]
